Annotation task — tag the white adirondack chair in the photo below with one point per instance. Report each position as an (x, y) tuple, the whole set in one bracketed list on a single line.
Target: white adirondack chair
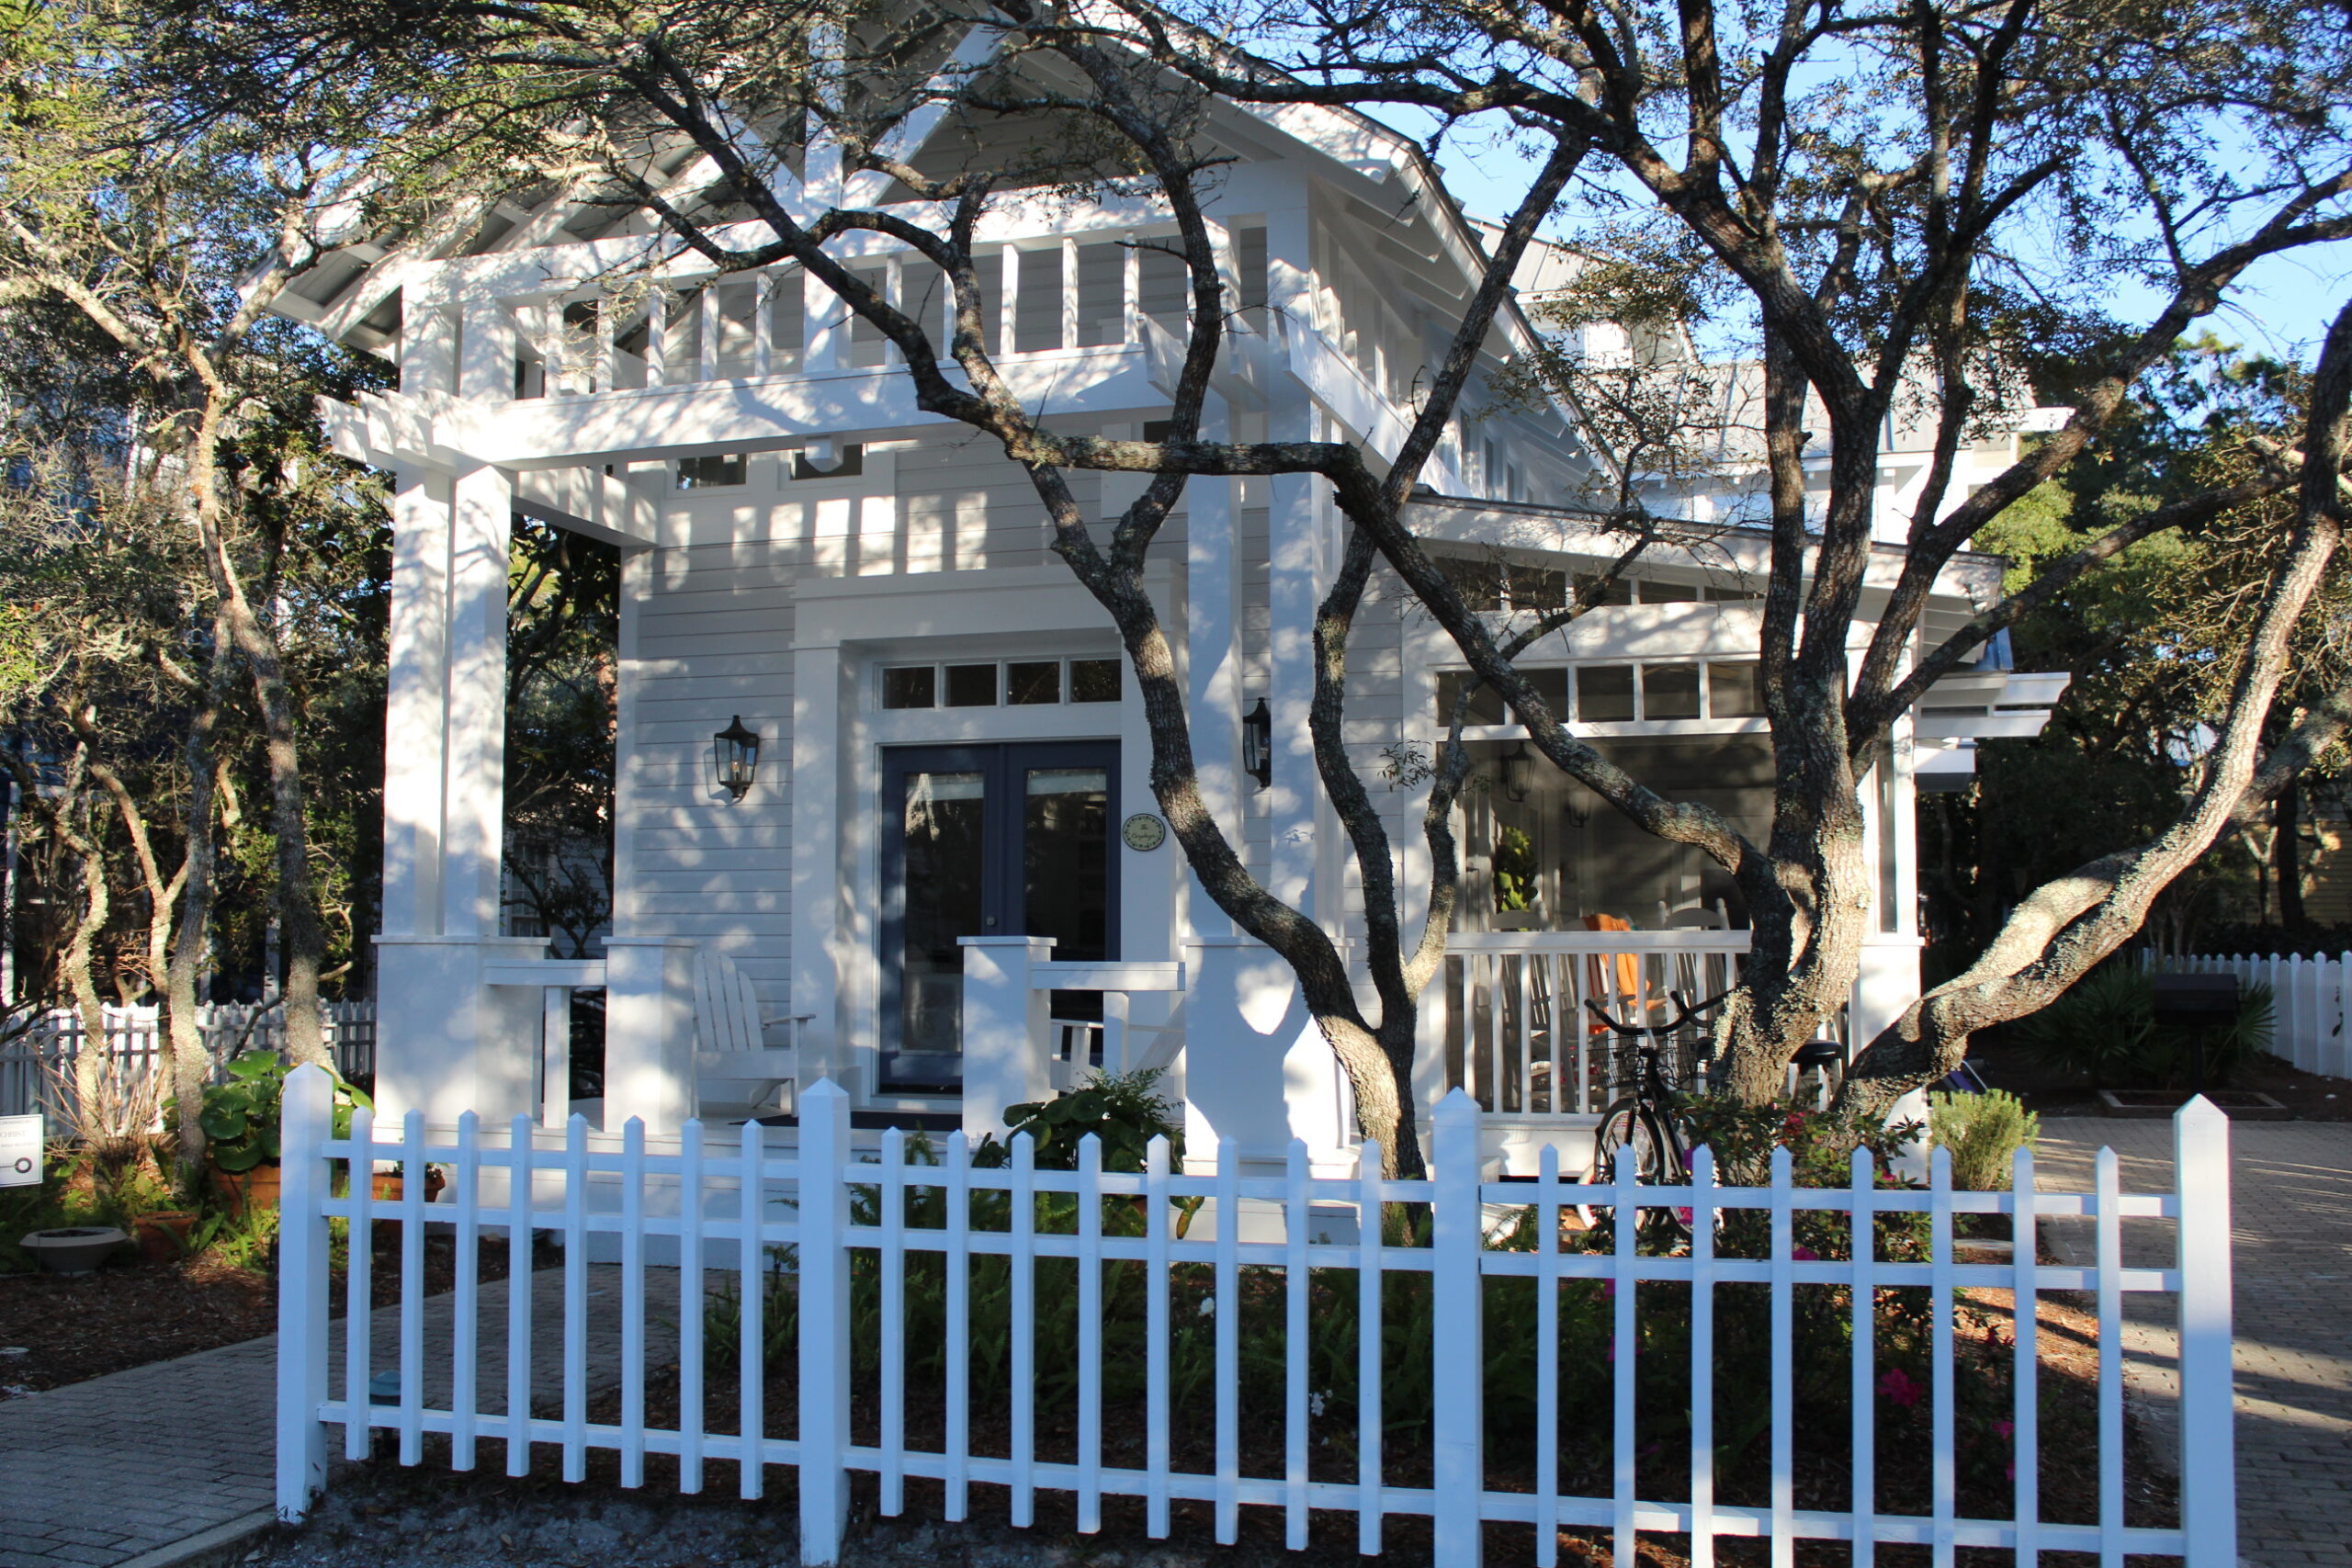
[(735, 1068)]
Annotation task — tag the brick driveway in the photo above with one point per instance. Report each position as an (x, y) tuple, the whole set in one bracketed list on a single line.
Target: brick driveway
[(2291, 1194), (107, 1472)]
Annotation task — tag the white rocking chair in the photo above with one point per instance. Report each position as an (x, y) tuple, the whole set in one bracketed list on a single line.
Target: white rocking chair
[(735, 1068)]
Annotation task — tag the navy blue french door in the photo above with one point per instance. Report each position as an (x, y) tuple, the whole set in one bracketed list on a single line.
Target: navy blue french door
[(986, 840)]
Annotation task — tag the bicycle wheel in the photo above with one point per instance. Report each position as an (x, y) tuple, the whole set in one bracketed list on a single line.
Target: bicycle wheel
[(1629, 1124)]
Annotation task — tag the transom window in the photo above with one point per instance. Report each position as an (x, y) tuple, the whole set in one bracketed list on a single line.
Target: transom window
[(1619, 694), (1006, 683)]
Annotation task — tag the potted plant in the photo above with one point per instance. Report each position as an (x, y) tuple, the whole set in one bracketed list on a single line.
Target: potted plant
[(239, 1116), (164, 1234), (391, 1186)]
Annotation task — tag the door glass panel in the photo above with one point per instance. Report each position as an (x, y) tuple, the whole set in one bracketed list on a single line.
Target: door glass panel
[(1066, 852), (945, 823)]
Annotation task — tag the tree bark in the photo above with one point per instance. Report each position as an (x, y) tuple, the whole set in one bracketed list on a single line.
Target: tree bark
[(191, 1064)]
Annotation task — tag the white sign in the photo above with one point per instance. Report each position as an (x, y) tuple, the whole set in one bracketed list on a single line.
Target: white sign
[(20, 1149)]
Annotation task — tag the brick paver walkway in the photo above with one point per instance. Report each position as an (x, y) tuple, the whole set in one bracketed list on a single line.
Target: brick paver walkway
[(2292, 1193), (106, 1472)]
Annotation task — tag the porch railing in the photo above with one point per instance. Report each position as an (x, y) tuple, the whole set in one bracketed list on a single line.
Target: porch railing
[(1512, 1018)]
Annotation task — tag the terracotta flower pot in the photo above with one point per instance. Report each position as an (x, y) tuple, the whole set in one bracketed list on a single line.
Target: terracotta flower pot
[(162, 1235), (257, 1187), (391, 1188)]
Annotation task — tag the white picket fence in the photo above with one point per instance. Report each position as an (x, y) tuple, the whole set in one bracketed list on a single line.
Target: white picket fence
[(134, 1042), (2312, 1001), (841, 1213)]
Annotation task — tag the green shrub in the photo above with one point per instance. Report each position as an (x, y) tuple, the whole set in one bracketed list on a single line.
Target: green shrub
[(2104, 1030), (241, 1117), (1126, 1110), (1983, 1133)]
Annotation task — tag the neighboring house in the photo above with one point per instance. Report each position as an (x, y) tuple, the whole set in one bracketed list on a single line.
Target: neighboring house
[(949, 740)]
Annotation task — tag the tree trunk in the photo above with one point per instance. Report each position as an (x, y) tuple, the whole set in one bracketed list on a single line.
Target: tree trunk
[(97, 903), (298, 903), (191, 1065)]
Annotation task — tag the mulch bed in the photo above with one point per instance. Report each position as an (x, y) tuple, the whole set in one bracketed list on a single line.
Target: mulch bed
[(71, 1327)]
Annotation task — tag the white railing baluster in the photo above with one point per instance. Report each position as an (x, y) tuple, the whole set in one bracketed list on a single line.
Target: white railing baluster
[(520, 1203), (575, 1298), (824, 1350), (1227, 1373), (892, 1264), (958, 1491), (2025, 1366), (305, 1175), (692, 1412), (1784, 1333), (358, 1304), (751, 1361), (2109, 1252), (1547, 1358), (1023, 1361), (465, 1338), (633, 1302), (1625, 1223), (1296, 1435), (412, 1287), (2208, 1445), (1942, 1396), (1090, 1334), (1156, 1330), (1702, 1358), (1863, 1395)]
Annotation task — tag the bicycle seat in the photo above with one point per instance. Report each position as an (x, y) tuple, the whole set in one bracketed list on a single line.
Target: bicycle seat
[(1817, 1054)]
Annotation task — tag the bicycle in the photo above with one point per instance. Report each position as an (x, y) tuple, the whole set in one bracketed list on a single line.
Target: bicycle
[(1650, 1119)]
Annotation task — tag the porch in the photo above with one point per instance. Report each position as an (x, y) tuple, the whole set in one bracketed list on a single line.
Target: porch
[(1508, 1021)]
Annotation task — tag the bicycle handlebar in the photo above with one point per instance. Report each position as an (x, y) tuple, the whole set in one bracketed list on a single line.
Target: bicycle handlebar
[(1633, 1032)]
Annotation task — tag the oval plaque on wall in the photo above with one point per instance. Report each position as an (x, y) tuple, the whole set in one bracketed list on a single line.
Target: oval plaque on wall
[(1143, 831)]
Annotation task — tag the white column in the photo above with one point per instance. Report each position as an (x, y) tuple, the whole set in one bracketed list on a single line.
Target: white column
[(1298, 573), (1004, 1029), (480, 521), (817, 937), (1213, 652), (416, 703)]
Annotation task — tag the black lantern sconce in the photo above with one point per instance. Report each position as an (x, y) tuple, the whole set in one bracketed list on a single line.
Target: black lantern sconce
[(1258, 744), (735, 758), (1517, 767)]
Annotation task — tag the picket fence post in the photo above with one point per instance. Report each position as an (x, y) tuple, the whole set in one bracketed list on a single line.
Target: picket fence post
[(2209, 1485), (824, 1324), (1458, 1470), (306, 1121)]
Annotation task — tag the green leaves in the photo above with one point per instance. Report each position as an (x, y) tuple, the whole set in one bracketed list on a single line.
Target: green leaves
[(1120, 1109), (241, 1115)]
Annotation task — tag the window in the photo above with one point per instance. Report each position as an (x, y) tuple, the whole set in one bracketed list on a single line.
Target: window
[(1102, 294), (1487, 704), (1037, 312), (1605, 694), (1669, 691), (713, 472), (971, 685), (1618, 593), (1018, 682), (1735, 691)]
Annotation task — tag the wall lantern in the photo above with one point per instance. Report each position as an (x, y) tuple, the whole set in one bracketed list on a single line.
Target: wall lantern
[(1517, 767), (735, 758), (1258, 744)]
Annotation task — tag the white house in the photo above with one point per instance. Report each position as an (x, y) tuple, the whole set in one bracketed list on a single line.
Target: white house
[(951, 763)]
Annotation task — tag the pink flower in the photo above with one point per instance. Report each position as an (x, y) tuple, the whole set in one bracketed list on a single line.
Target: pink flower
[(1898, 1386), (2003, 1428), (1805, 1255)]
